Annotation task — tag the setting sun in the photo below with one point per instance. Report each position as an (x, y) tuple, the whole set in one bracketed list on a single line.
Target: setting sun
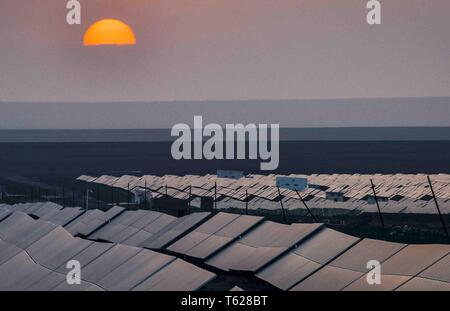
[(109, 32)]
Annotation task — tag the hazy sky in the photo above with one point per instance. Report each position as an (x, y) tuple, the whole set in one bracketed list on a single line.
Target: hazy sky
[(226, 49)]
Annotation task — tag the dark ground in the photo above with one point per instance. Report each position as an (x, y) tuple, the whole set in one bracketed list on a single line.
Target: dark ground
[(62, 162)]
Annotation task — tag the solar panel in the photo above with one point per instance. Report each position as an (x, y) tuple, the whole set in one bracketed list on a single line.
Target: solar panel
[(357, 257), (223, 237), (56, 248), (92, 220), (28, 207), (4, 212), (136, 270), (84, 286), (328, 279), (325, 245), (107, 262), (21, 230), (200, 234), (307, 258), (86, 223), (288, 271), (127, 218), (124, 235), (421, 284), (105, 266), (107, 232), (424, 256), (178, 276), (290, 257), (133, 227), (138, 238), (261, 246), (48, 282), (388, 283), (439, 271), (20, 272), (47, 208), (173, 231), (148, 217), (112, 212), (62, 217), (405, 193), (87, 255), (16, 218), (159, 223), (7, 251)]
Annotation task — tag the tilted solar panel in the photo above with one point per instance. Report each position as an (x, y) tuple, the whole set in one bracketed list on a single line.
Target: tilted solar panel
[(308, 257), (261, 246)]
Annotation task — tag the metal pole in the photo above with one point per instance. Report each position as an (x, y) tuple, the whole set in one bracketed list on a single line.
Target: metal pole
[(307, 208), (281, 203), (88, 191), (378, 205), (128, 197), (98, 196), (438, 209), (145, 194)]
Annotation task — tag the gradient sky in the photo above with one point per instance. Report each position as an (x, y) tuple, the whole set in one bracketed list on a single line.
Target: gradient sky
[(226, 49)]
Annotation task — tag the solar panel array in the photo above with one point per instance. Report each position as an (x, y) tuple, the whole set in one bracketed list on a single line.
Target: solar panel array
[(261, 246), (34, 254), (399, 193), (309, 257), (297, 257), (402, 266), (91, 220), (149, 229), (215, 234)]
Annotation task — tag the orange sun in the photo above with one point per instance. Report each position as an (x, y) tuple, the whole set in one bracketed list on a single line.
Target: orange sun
[(109, 32)]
